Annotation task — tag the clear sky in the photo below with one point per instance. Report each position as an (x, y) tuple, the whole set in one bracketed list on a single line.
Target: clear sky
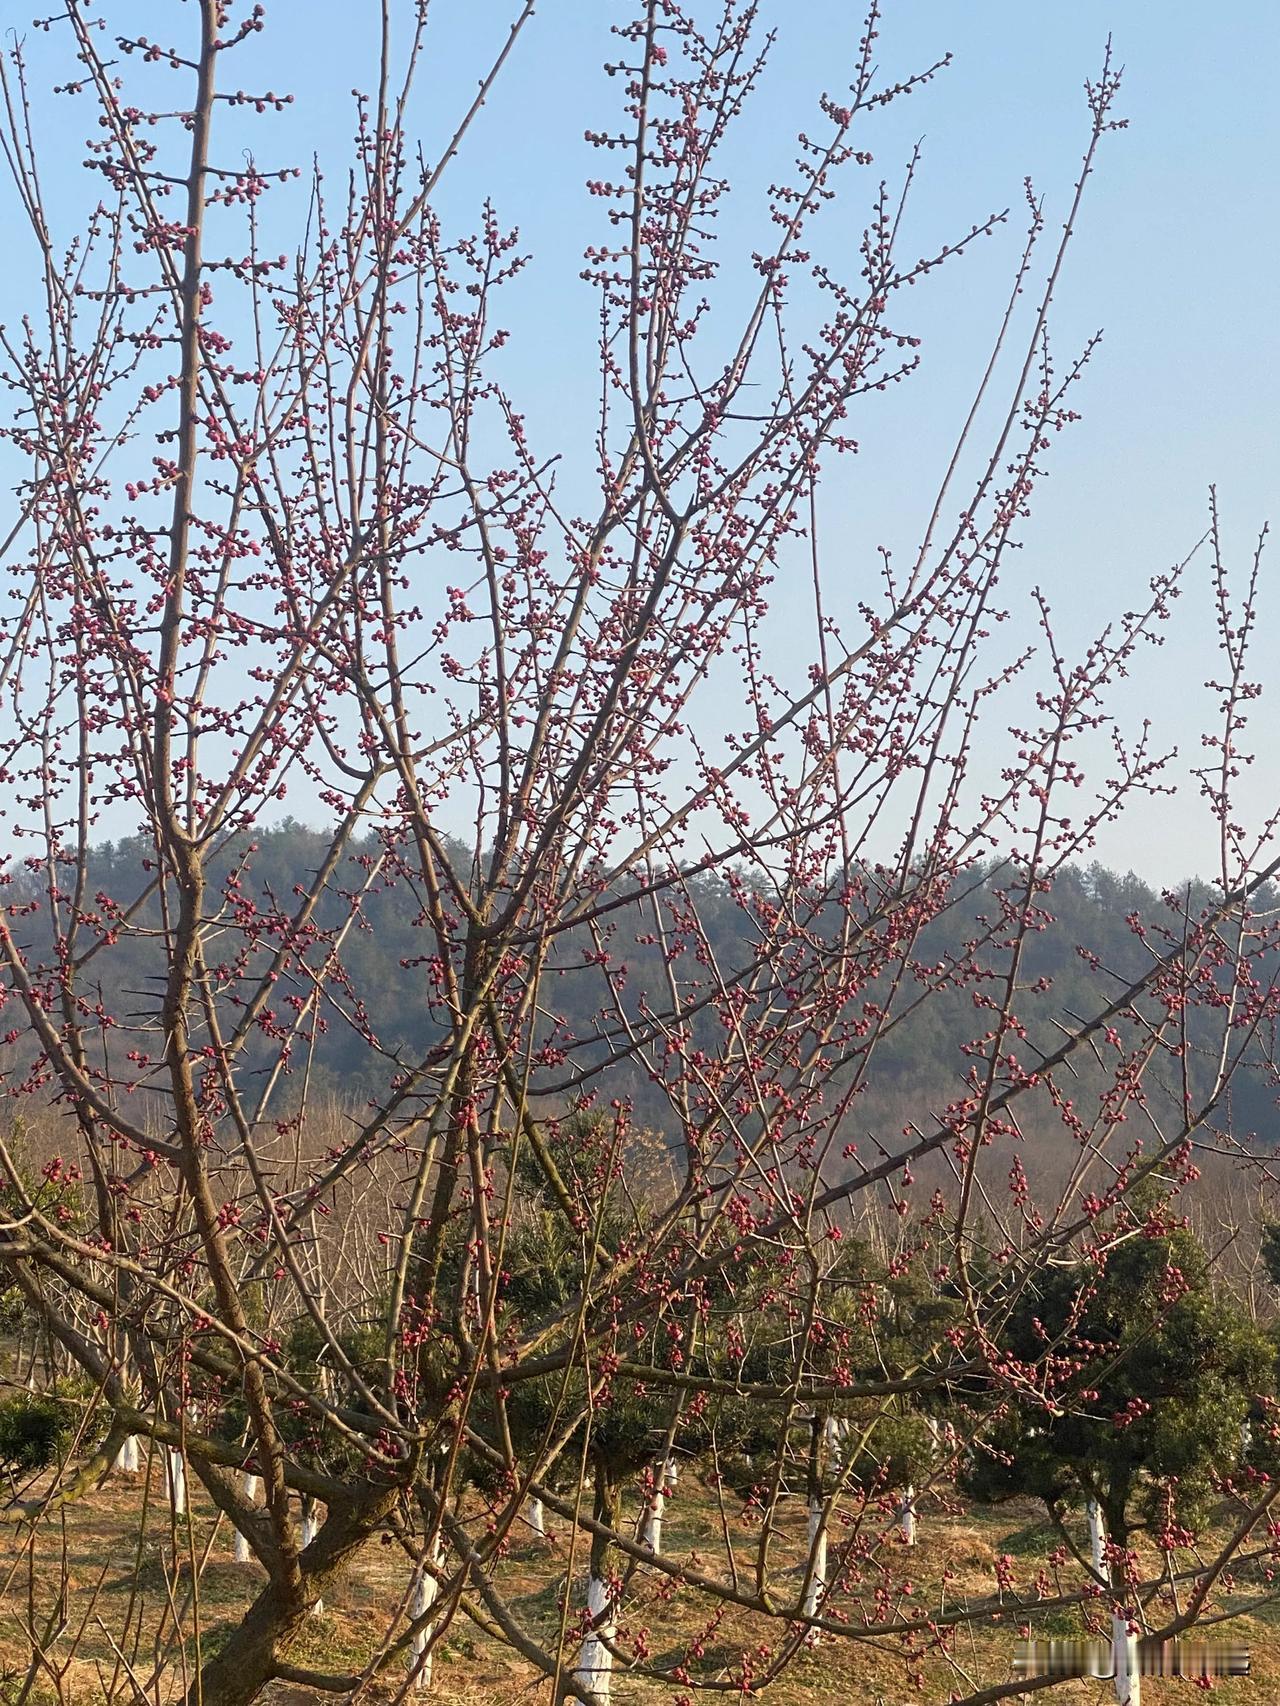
[(1177, 260)]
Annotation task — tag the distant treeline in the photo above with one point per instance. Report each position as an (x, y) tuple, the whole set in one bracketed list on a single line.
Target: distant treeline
[(376, 1015)]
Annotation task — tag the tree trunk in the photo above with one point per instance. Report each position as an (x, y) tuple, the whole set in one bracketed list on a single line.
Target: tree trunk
[(422, 1656), (536, 1517), (831, 1443), (176, 1469), (239, 1673), (655, 1509), (276, 1619), (1124, 1650), (815, 1528), (249, 1486), (1097, 1538), (841, 1435), (310, 1528), (907, 1515), (595, 1662), (816, 1562), (1124, 1646)]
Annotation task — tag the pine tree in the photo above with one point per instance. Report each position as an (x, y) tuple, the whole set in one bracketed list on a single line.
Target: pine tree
[(1156, 1375)]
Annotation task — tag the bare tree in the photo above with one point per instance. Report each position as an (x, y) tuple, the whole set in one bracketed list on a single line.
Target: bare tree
[(279, 523)]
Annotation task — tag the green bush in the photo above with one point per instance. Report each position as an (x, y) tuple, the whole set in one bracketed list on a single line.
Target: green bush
[(36, 1429), (1160, 1372)]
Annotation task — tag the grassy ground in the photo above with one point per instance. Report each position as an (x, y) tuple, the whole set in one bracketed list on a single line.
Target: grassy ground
[(126, 1606)]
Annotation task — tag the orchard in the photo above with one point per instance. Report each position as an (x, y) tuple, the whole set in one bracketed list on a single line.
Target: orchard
[(615, 1176)]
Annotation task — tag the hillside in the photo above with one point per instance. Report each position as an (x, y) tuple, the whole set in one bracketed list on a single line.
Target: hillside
[(378, 1011)]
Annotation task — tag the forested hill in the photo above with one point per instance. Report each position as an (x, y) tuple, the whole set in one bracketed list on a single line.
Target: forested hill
[(375, 1013)]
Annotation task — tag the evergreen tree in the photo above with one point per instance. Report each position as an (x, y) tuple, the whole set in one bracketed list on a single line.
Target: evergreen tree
[(1157, 1374), (1155, 1378)]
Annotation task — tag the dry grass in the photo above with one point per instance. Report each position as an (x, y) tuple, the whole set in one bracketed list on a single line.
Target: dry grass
[(124, 1594)]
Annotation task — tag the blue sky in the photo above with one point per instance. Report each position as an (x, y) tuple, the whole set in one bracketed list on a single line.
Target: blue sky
[(1177, 259)]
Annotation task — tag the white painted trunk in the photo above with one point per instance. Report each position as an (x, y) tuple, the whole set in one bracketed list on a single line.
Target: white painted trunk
[(1097, 1538), (651, 1527), (422, 1657), (128, 1457), (816, 1564), (1246, 1438), (536, 1517), (249, 1487), (310, 1527), (831, 1441), (843, 1427), (177, 1482), (1124, 1646), (907, 1515), (815, 1521), (595, 1661), (1124, 1649)]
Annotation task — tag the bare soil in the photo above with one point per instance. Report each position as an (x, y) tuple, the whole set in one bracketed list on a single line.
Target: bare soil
[(120, 1595)]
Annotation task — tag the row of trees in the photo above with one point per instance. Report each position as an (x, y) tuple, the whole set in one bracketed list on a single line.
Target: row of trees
[(1163, 1408), (279, 522), (381, 958)]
